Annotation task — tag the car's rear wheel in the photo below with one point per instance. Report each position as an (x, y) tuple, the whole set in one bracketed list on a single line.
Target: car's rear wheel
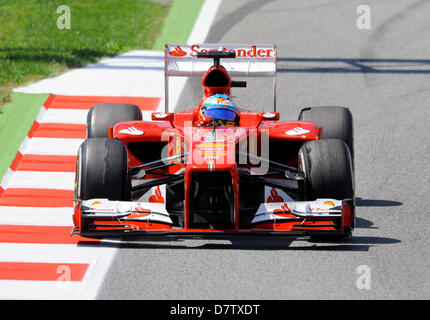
[(102, 170), (102, 116), (337, 123), (327, 168)]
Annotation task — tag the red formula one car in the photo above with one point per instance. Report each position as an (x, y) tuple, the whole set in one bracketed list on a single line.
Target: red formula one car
[(216, 168)]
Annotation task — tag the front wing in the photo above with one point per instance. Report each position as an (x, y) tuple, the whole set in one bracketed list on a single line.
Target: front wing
[(104, 218)]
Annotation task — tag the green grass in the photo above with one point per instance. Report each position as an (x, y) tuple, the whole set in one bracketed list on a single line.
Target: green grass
[(33, 47), (177, 28), (16, 119)]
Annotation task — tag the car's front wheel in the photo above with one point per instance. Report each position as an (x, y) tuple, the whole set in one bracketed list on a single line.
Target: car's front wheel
[(102, 170), (327, 168)]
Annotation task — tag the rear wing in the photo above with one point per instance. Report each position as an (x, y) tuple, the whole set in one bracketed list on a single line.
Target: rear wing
[(181, 60)]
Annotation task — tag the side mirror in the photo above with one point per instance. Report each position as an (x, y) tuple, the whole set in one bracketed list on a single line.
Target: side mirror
[(272, 116), (162, 116)]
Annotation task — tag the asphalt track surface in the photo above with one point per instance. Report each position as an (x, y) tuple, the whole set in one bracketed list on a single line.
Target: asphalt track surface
[(382, 75)]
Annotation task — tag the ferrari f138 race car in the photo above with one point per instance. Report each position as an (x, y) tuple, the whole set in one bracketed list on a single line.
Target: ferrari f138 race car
[(216, 168)]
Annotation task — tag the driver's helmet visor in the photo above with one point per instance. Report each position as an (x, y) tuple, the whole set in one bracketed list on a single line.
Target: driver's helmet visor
[(221, 113)]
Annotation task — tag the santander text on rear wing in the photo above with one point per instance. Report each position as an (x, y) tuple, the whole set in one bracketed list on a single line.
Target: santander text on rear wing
[(251, 60)]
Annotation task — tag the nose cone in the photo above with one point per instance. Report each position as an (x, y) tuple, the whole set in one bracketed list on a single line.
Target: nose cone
[(214, 150)]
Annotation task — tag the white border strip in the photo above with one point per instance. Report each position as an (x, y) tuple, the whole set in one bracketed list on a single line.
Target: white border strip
[(37, 216), (46, 253), (204, 21), (42, 180), (53, 146)]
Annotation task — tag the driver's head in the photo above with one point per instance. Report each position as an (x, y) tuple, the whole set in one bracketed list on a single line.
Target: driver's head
[(220, 108)]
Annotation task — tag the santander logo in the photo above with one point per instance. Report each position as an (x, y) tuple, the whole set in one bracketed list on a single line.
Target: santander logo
[(253, 52), (284, 211), (157, 197), (177, 52), (240, 53), (274, 196)]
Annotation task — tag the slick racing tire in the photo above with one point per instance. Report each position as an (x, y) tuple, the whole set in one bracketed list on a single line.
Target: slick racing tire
[(103, 116), (327, 168), (337, 123), (102, 170)]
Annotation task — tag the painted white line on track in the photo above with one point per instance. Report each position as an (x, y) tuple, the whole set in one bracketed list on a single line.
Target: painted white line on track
[(47, 253), (41, 114), (53, 146), (42, 290), (7, 178), (204, 21), (43, 180), (71, 116), (36, 216), (64, 116), (137, 73)]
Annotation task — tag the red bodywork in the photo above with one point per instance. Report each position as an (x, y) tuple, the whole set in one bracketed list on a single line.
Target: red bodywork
[(177, 133)]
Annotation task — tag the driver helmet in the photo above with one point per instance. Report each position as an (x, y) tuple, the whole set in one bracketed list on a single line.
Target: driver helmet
[(221, 108)]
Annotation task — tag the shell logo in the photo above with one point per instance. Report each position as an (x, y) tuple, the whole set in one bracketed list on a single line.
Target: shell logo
[(329, 203)]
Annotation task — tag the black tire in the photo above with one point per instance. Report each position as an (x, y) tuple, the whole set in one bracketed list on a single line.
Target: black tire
[(102, 170), (327, 167), (102, 116), (337, 123)]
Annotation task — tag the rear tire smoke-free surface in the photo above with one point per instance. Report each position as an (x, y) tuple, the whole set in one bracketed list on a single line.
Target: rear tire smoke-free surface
[(103, 116), (102, 170)]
